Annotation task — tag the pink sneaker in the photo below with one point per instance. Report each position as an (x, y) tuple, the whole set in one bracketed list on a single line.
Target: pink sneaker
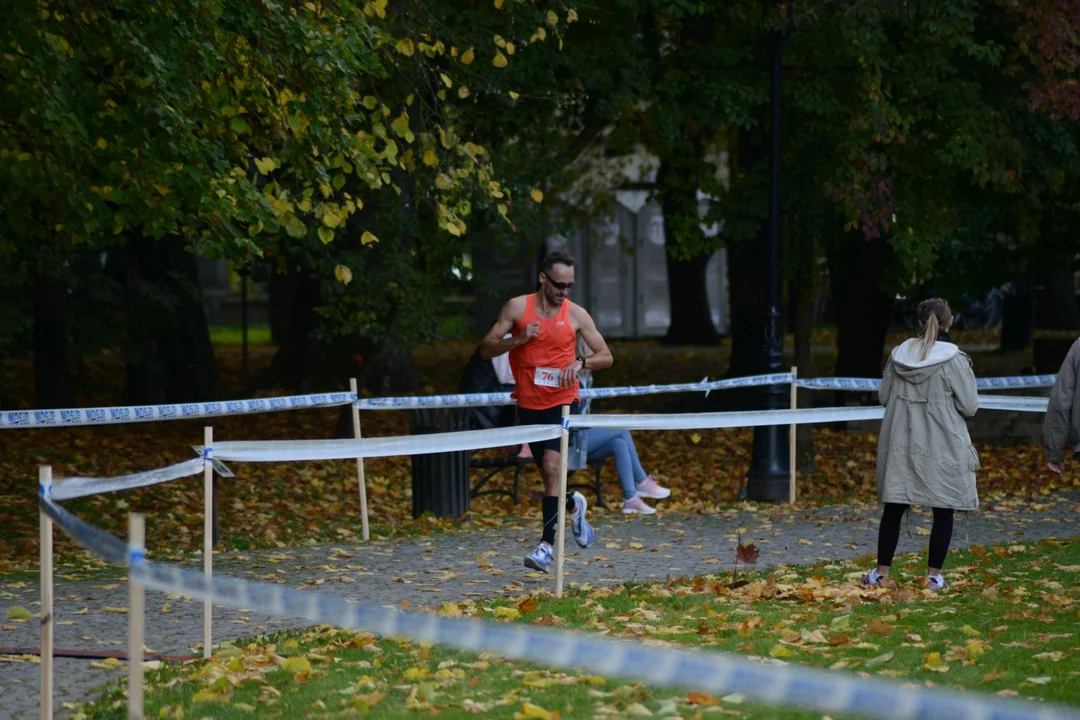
[(650, 489), (636, 506)]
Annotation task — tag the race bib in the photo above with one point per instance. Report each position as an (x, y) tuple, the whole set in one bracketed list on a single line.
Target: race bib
[(546, 377)]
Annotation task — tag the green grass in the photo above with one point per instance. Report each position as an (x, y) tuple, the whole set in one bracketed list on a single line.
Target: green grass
[(233, 335), (1005, 626)]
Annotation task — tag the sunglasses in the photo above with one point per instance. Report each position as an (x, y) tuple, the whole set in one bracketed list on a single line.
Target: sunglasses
[(558, 285)]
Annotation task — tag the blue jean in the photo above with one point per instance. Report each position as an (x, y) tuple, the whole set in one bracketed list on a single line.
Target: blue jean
[(605, 443)]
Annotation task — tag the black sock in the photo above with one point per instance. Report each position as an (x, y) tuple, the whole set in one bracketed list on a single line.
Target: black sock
[(570, 503), (551, 519)]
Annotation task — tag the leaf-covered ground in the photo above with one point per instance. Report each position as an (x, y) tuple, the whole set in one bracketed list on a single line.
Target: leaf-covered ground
[(1005, 626), (275, 505)]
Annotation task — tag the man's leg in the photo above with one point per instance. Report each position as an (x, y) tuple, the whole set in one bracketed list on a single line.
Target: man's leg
[(549, 470)]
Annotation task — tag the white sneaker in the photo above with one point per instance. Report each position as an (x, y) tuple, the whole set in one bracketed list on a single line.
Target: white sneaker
[(637, 506), (937, 582), (651, 489)]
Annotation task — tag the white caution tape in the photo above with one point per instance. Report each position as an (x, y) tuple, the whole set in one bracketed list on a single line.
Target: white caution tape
[(77, 487), (301, 450), (702, 671), (756, 418), (707, 421), (1011, 402), (16, 419)]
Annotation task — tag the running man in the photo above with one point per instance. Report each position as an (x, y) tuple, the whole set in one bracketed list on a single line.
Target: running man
[(544, 327)]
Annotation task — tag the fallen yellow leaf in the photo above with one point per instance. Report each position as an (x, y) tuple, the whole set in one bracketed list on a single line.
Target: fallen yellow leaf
[(296, 665), (534, 712), (507, 612)]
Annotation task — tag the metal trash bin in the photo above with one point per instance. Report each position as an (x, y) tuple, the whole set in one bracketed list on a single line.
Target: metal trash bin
[(440, 481)]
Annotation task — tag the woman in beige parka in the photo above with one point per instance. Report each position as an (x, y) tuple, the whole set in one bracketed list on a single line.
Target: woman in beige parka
[(925, 456)]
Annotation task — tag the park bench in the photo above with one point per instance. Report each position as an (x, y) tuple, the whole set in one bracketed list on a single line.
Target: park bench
[(442, 481), (576, 461), (493, 467)]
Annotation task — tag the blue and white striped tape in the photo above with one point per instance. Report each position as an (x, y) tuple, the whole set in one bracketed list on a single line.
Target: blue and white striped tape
[(26, 419), (1014, 383), (872, 384), (716, 673), (838, 383), (485, 399)]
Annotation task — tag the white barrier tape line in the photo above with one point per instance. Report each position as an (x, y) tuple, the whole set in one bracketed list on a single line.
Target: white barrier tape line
[(77, 487), (755, 418), (305, 450), (16, 419), (487, 399), (659, 666), (712, 672), (748, 418), (1019, 404)]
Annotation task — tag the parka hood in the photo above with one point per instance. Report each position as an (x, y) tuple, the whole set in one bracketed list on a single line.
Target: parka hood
[(915, 370)]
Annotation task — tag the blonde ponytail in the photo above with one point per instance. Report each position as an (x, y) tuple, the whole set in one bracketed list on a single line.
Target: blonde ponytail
[(933, 315), (929, 336)]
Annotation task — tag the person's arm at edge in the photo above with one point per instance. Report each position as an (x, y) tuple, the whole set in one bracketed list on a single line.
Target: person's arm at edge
[(601, 357), (1059, 410)]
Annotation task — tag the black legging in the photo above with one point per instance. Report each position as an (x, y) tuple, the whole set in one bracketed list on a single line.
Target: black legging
[(889, 534)]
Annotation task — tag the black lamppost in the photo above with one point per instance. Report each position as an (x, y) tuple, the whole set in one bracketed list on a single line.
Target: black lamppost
[(768, 476)]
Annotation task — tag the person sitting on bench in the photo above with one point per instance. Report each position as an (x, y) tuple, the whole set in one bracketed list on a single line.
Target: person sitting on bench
[(619, 444)]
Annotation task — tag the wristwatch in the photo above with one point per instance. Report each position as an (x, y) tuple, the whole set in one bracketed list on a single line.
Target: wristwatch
[(582, 359)]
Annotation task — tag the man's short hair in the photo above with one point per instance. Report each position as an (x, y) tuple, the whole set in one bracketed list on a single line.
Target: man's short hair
[(556, 258)]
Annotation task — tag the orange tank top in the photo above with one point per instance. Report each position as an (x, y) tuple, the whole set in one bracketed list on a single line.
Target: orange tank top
[(537, 363)]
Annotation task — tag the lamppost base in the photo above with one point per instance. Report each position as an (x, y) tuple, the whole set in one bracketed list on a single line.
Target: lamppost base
[(769, 475)]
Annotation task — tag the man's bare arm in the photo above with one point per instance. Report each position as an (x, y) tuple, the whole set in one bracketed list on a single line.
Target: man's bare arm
[(601, 357), (493, 343)]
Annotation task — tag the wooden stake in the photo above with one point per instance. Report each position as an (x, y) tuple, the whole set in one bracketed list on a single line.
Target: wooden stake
[(359, 462), (791, 438), (46, 561), (136, 617), (560, 529), (208, 534)]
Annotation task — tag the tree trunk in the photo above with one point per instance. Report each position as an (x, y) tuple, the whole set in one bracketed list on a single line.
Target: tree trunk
[(281, 304), (863, 309), (688, 295), (170, 357), (748, 275), (1056, 306), (803, 326), (292, 365), (52, 373), (1018, 314)]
